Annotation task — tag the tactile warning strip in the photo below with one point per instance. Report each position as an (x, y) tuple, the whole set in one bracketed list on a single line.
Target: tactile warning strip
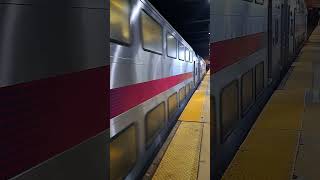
[(182, 156), (194, 109)]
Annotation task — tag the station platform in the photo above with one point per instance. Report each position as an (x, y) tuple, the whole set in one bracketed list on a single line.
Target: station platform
[(186, 152), (284, 142)]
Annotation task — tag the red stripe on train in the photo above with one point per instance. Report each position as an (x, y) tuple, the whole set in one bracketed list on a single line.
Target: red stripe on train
[(125, 98), (43, 118), (225, 53)]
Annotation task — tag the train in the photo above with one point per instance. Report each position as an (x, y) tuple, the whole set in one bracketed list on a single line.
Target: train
[(53, 84), (153, 72), (252, 45)]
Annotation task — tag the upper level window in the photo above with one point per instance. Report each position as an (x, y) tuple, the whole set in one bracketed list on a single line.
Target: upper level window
[(181, 51), (187, 54), (151, 34), (119, 21), (194, 57), (191, 56), (171, 46)]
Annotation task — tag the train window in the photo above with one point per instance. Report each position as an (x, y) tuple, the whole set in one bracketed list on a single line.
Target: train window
[(172, 104), (171, 46), (181, 51), (182, 94), (187, 89), (260, 2), (151, 34), (246, 90), (119, 21), (187, 54), (229, 108), (123, 153), (154, 122), (259, 78)]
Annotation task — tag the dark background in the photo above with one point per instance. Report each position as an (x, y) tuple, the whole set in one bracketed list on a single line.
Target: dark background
[(190, 18)]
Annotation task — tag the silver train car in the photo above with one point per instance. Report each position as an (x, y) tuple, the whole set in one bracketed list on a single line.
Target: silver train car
[(153, 72), (53, 72), (252, 44)]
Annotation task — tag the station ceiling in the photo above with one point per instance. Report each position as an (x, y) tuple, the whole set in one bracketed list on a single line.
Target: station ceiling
[(190, 18)]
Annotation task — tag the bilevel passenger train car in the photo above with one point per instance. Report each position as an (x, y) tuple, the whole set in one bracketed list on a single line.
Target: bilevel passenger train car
[(252, 45), (53, 99), (153, 72)]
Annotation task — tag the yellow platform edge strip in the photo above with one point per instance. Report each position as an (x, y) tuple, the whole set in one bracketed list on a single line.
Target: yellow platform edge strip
[(194, 108), (181, 159)]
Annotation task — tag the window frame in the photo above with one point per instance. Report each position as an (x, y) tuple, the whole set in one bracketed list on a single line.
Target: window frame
[(225, 135), (133, 124), (258, 93), (187, 52), (129, 26), (244, 110), (187, 89), (168, 102), (184, 51), (147, 143), (168, 33), (141, 32), (183, 88), (192, 54)]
